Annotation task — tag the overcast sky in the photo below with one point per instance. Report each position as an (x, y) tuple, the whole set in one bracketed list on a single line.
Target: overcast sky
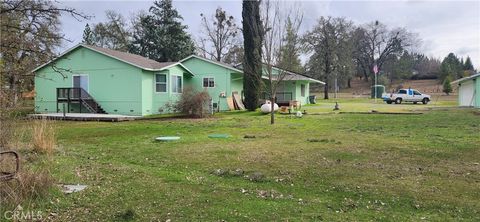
[(444, 26)]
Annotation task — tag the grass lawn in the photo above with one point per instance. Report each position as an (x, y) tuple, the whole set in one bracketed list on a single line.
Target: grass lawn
[(332, 167)]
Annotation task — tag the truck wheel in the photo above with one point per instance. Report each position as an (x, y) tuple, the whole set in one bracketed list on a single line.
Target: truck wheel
[(398, 100), (389, 102), (425, 101)]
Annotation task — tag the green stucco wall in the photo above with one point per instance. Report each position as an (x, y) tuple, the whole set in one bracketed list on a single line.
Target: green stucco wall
[(298, 91), (223, 80), (114, 84), (155, 102), (293, 86)]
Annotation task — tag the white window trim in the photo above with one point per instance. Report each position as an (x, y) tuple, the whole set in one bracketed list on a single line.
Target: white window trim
[(304, 90), (171, 88), (209, 77), (155, 83), (88, 80)]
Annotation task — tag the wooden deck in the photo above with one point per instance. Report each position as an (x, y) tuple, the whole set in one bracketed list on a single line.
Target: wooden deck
[(85, 117)]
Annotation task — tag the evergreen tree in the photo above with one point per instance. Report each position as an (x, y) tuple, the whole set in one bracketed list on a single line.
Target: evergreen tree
[(160, 34), (451, 67), (468, 64), (88, 37), (290, 51), (447, 87), (252, 64)]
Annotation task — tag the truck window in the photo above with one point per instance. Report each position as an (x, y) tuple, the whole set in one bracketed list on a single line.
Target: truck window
[(416, 93), (402, 91)]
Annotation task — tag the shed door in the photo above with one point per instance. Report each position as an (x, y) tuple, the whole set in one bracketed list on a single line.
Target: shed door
[(465, 93)]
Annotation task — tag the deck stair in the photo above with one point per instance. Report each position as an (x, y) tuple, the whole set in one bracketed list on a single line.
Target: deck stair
[(79, 96)]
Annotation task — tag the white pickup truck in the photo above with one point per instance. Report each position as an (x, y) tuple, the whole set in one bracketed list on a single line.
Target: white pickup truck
[(406, 95)]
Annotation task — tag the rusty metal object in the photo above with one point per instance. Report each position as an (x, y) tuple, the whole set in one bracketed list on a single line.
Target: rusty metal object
[(5, 176)]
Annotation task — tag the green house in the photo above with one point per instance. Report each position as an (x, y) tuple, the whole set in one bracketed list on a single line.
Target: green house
[(90, 79)]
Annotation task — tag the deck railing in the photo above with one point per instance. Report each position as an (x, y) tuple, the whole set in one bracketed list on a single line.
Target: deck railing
[(78, 95), (280, 97)]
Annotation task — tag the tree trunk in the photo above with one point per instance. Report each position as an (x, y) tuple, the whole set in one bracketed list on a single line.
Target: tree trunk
[(253, 36), (272, 111), (325, 90), (365, 74), (349, 83)]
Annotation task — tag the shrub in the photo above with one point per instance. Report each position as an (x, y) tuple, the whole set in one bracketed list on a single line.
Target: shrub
[(43, 136), (447, 87), (191, 103)]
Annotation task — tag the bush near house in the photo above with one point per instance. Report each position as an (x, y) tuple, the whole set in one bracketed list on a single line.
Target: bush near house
[(192, 103)]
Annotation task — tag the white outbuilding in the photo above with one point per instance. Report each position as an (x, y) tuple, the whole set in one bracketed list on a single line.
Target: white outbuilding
[(468, 91)]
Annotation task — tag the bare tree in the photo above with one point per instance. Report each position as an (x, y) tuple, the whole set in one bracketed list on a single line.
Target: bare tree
[(329, 41), (29, 36), (220, 35), (275, 23), (112, 34), (376, 43)]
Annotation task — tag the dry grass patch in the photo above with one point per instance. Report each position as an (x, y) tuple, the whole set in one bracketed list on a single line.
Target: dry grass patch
[(43, 136), (28, 185)]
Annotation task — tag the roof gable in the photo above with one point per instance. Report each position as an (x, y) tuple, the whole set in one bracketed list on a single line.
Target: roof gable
[(224, 65)]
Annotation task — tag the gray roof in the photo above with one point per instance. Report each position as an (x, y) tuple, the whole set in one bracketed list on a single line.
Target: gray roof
[(133, 59), (222, 64), (458, 81), (291, 76), (288, 75)]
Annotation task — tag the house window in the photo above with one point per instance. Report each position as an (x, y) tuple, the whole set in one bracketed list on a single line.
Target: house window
[(208, 82), (160, 83), (177, 84), (302, 90)]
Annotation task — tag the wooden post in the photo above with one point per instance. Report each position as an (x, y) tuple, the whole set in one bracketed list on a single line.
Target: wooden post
[(68, 100), (57, 100)]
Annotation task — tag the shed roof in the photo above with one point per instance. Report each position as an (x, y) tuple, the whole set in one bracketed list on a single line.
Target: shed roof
[(474, 76)]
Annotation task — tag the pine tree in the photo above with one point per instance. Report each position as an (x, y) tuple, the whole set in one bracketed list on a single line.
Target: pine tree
[(468, 64), (160, 34), (291, 49), (447, 87), (88, 37), (252, 65), (451, 67)]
